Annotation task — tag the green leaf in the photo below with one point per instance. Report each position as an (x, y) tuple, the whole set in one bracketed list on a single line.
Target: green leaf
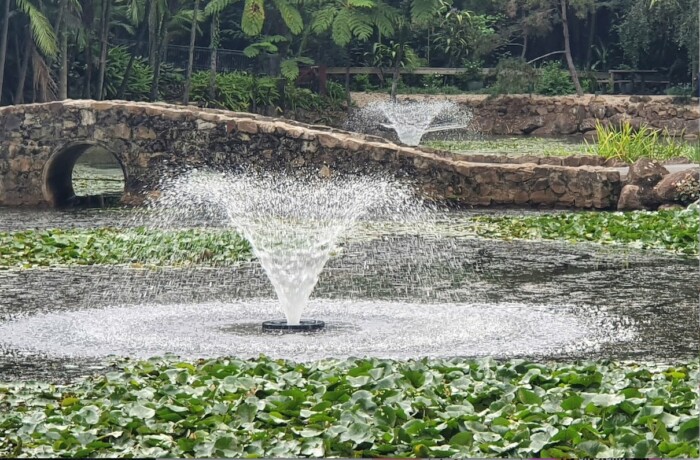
[(528, 397)]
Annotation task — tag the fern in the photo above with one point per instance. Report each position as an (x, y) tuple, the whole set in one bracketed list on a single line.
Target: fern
[(361, 26), (361, 3), (290, 15), (217, 6), (341, 33), (253, 17), (323, 19), (423, 10)]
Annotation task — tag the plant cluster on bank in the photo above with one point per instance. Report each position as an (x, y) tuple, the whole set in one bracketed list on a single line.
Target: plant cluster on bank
[(676, 231), (41, 248), (628, 144), (358, 408)]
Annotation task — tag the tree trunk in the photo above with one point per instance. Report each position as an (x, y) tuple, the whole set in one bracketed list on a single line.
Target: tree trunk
[(62, 33), (397, 74), (190, 57), (127, 72), (153, 33), (213, 45), (63, 69), (591, 36), (523, 52), (87, 90), (162, 49), (24, 67), (3, 43), (104, 41), (567, 49)]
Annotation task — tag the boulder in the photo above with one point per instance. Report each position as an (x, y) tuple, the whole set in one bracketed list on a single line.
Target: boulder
[(646, 173), (629, 199), (667, 189), (634, 197)]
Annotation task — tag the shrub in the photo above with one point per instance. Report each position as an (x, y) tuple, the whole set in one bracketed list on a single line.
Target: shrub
[(237, 91), (513, 76), (362, 83), (138, 87), (553, 80)]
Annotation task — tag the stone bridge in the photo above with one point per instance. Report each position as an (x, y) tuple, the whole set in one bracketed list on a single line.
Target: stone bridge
[(40, 143)]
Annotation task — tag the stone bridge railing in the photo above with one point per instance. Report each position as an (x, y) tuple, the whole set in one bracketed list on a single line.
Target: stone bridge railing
[(40, 143)]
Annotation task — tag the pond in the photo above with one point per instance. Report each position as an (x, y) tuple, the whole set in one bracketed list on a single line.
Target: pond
[(390, 291)]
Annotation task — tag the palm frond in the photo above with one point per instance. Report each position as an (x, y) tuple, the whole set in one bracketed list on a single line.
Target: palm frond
[(42, 31), (44, 84)]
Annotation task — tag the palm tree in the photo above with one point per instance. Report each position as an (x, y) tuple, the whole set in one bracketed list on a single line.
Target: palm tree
[(42, 34)]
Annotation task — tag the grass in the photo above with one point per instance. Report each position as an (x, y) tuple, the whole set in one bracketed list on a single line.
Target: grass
[(629, 145), (512, 146), (357, 408)]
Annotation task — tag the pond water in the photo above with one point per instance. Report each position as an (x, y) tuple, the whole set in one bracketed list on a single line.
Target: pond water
[(389, 292)]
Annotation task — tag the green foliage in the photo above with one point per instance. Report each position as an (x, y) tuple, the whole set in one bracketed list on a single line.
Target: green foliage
[(553, 80), (514, 76), (629, 145), (41, 248), (138, 87), (675, 231), (357, 408), (336, 96), (235, 91), (386, 56), (684, 90), (362, 82)]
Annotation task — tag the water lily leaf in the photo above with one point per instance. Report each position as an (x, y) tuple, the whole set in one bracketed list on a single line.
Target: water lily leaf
[(89, 414), (528, 397), (572, 402), (358, 433), (140, 411), (688, 431), (464, 438)]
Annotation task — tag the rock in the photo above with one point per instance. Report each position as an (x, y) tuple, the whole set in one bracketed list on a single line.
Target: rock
[(629, 199), (646, 173), (667, 189)]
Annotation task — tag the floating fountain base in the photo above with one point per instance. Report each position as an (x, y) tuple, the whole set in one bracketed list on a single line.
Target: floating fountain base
[(280, 325)]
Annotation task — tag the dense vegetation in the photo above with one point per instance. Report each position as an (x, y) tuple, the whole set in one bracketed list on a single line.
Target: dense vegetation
[(42, 248), (142, 49), (676, 231), (358, 408)]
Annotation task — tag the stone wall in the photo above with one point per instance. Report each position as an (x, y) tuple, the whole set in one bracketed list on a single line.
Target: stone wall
[(567, 115), (39, 144)]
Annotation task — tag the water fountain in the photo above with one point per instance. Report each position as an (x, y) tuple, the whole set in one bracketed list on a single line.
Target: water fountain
[(412, 120), (292, 224)]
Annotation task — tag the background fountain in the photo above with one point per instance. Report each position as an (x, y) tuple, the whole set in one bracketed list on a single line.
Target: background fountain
[(412, 120), (293, 225)]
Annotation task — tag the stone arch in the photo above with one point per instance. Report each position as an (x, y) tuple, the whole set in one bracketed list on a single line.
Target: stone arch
[(57, 175)]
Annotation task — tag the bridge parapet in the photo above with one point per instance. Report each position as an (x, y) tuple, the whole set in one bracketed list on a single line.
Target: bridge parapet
[(39, 144)]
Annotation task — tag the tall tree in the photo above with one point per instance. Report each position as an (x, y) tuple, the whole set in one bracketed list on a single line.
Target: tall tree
[(567, 48), (105, 20)]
